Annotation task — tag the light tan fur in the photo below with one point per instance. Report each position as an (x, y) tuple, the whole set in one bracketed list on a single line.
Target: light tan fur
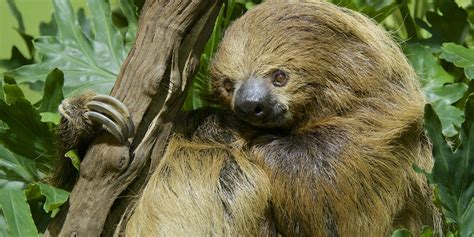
[(187, 196)]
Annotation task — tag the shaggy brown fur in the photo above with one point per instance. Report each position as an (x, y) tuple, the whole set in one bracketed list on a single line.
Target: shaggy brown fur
[(341, 163), (338, 162)]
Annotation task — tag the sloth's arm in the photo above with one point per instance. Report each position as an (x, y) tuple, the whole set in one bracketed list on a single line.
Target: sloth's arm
[(213, 125), (83, 117)]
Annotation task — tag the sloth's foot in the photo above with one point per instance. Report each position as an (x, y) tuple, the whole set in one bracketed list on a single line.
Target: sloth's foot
[(103, 110)]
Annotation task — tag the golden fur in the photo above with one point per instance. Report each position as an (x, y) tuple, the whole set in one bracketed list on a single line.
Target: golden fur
[(340, 164)]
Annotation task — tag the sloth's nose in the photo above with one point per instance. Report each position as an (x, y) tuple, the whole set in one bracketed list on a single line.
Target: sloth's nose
[(252, 100), (251, 109)]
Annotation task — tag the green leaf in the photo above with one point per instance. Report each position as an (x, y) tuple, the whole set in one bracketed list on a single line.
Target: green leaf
[(402, 233), (85, 24), (2, 95), (48, 28), (108, 40), (451, 117), (438, 86), (426, 232), (49, 117), (21, 26), (453, 171), (130, 13), (460, 56), (16, 60), (88, 62), (449, 93), (53, 92), (16, 167), (249, 5), (26, 135), (76, 161), (450, 24), (17, 213), (3, 226), (427, 67), (16, 14), (54, 198)]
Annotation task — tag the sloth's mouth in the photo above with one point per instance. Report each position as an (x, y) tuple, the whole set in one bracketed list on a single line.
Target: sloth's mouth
[(277, 117)]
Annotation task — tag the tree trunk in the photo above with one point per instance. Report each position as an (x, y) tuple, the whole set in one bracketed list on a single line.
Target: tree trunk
[(152, 83)]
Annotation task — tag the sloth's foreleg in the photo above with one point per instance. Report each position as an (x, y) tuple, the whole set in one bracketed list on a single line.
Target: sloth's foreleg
[(83, 117)]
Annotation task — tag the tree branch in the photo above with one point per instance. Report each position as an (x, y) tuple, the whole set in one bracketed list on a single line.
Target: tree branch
[(153, 82)]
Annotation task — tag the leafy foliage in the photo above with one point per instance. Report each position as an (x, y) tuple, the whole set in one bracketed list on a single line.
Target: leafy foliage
[(27, 152), (17, 213), (448, 24), (18, 59), (54, 197), (438, 86), (453, 171), (35, 137), (460, 56), (88, 60)]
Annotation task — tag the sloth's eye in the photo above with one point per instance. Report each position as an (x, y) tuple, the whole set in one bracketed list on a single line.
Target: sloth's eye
[(279, 77), (228, 85)]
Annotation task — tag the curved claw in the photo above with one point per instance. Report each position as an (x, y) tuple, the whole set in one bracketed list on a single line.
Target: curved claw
[(108, 124), (114, 102), (62, 112), (109, 111), (121, 108)]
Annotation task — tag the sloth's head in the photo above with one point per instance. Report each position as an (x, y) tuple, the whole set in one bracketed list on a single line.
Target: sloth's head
[(283, 64)]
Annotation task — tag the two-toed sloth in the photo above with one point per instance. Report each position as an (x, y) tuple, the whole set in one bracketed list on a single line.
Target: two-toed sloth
[(320, 126)]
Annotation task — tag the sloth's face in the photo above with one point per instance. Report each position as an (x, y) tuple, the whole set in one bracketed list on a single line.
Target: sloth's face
[(266, 77), (257, 99), (281, 65)]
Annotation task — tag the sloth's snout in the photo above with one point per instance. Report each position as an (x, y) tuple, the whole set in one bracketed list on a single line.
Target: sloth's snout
[(252, 100), (249, 109)]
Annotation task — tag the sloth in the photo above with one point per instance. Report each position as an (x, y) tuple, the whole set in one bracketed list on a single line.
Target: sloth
[(319, 124)]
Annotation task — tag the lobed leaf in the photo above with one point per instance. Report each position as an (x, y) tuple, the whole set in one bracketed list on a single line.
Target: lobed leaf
[(53, 92), (25, 134), (88, 61), (17, 213), (438, 87), (460, 56), (54, 198), (16, 167), (17, 59), (453, 171), (450, 24), (48, 28)]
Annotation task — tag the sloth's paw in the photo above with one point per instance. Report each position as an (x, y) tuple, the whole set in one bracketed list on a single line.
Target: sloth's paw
[(102, 110)]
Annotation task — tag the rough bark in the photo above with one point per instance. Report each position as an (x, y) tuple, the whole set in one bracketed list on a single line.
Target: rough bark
[(153, 82)]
